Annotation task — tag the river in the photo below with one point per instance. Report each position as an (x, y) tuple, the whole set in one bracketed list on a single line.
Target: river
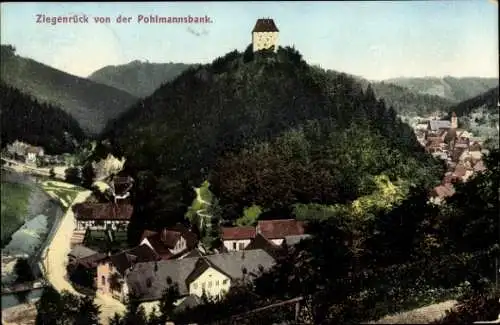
[(42, 214)]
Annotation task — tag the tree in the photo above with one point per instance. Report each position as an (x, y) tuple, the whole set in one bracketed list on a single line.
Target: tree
[(88, 312), (65, 309), (73, 175), (23, 271), (88, 175), (168, 299), (154, 318), (248, 54), (49, 308), (250, 216)]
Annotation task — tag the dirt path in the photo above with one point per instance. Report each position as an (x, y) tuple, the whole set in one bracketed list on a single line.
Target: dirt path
[(423, 315), (55, 259), (55, 255)]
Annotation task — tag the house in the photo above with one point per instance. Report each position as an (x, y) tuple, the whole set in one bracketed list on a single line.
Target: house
[(264, 35), (33, 153), (101, 216), (170, 243), (260, 242), (78, 252), (277, 230), (120, 186), (110, 270), (441, 192), (479, 167), (212, 275), (292, 241), (237, 238)]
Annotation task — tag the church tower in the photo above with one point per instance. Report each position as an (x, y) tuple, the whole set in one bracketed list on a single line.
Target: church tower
[(264, 35), (454, 121)]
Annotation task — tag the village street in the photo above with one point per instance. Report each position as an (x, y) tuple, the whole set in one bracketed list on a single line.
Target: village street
[(55, 259)]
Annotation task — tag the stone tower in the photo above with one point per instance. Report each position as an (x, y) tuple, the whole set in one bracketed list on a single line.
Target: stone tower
[(264, 34), (454, 121)]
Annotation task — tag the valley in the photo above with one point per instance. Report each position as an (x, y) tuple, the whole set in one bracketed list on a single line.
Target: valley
[(227, 178)]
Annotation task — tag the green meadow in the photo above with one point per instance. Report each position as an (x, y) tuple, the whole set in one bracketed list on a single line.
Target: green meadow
[(14, 198)]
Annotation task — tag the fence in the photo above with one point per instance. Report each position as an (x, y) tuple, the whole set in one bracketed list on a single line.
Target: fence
[(285, 312)]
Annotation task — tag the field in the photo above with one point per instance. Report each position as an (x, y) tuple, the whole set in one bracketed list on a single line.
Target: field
[(64, 192), (14, 198)]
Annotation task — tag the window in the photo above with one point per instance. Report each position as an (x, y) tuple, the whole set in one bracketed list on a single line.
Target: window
[(209, 284), (241, 246), (234, 245), (225, 281), (203, 285), (195, 285), (103, 280), (217, 283), (149, 283)]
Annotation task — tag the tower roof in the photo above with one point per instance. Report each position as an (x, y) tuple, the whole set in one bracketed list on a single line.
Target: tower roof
[(265, 25)]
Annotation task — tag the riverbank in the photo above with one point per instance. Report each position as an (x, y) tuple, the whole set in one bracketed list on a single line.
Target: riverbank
[(32, 228), (24, 314)]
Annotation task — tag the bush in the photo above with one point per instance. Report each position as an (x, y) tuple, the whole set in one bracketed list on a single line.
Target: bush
[(23, 271), (475, 307)]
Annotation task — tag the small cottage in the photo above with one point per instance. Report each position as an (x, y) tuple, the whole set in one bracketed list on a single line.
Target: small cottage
[(101, 216)]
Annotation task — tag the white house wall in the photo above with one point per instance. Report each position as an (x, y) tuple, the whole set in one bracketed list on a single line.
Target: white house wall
[(277, 241), (229, 244), (101, 225), (212, 281)]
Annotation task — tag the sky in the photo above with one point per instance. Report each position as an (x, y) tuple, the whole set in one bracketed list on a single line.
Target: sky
[(373, 39)]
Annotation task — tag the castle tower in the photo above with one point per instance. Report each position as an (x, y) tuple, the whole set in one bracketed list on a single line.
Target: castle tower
[(264, 34), (454, 121)]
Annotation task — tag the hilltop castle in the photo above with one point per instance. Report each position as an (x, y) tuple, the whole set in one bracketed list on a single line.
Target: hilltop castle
[(264, 34)]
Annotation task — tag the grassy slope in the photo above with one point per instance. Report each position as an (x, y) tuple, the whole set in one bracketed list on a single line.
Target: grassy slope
[(90, 103), (14, 198)]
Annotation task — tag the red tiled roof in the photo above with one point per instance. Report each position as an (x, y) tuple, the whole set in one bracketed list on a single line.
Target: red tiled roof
[(238, 233), (273, 229), (103, 211), (460, 171), (443, 191), (265, 25), (475, 147), (163, 241), (479, 166)]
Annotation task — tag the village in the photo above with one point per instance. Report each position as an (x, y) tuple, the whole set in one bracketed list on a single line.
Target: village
[(97, 257), (101, 262), (458, 148)]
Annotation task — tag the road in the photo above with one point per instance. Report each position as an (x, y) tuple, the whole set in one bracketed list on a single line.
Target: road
[(55, 259), (24, 168)]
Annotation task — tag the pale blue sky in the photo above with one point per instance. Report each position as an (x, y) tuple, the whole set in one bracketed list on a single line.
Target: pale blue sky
[(373, 39)]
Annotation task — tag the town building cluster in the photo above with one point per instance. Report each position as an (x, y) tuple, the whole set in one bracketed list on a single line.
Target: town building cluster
[(461, 151), (32, 155), (171, 255)]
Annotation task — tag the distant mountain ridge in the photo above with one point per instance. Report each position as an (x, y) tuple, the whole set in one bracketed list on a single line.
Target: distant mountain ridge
[(451, 88), (90, 103), (138, 78), (487, 101), (404, 100)]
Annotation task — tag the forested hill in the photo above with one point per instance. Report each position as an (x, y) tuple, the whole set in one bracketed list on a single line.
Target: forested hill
[(25, 119), (488, 100), (138, 78), (406, 101), (265, 129), (454, 89), (90, 103)]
